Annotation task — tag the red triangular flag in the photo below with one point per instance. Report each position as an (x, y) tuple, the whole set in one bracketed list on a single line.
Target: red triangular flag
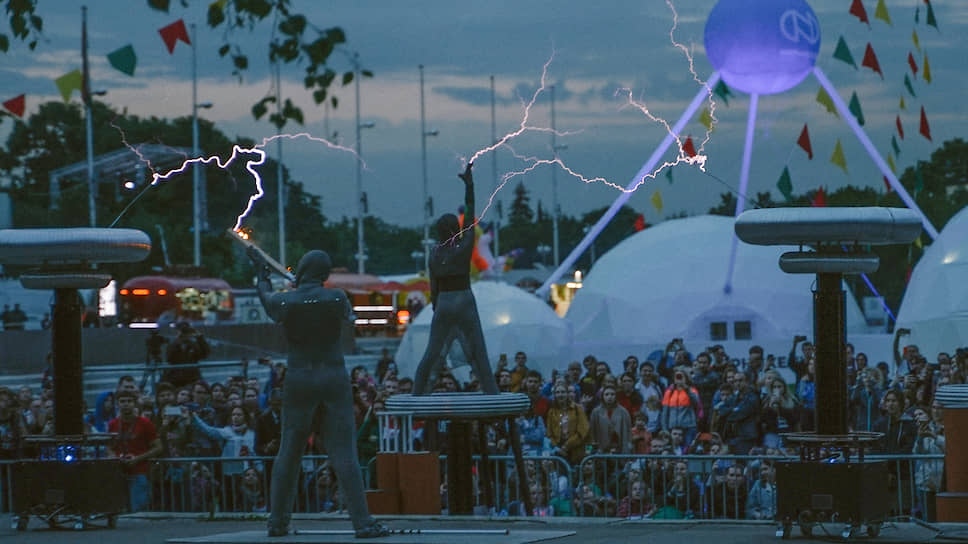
[(857, 10), (174, 32), (914, 65), (925, 129), (15, 105), (887, 184), (819, 199), (804, 141), (688, 147), (870, 60), (639, 223), (900, 129)]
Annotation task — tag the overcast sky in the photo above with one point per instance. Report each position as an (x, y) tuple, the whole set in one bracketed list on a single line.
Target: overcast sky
[(597, 48)]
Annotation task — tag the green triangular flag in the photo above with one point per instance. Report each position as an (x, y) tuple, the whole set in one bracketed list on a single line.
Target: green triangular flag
[(891, 165), (880, 12), (827, 102), (68, 82), (706, 119), (842, 53), (123, 59), (722, 91), (668, 175), (930, 20), (785, 185), (854, 108), (895, 147), (918, 179), (917, 15), (907, 84), (838, 156)]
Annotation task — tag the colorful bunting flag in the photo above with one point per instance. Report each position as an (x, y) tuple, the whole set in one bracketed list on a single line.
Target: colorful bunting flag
[(68, 82), (926, 69), (174, 32), (706, 119), (668, 175), (894, 146), (900, 129), (914, 38), (16, 105), (890, 163), (639, 223), (688, 148), (854, 108), (857, 10), (907, 84), (925, 129), (819, 199), (870, 60), (880, 12), (723, 92), (785, 185), (912, 64), (887, 185), (842, 52), (123, 59), (804, 141), (827, 102), (838, 157), (657, 201), (930, 18), (901, 104), (917, 14)]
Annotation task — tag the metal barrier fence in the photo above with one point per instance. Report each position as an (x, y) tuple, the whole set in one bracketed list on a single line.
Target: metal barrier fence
[(628, 486)]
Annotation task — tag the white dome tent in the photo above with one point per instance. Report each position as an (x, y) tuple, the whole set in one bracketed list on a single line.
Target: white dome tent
[(667, 282), (935, 304), (512, 320)]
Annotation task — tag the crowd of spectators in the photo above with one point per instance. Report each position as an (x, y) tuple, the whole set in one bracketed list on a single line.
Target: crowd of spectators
[(652, 419)]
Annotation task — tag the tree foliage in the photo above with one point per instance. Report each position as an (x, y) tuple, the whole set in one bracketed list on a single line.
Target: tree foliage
[(295, 40)]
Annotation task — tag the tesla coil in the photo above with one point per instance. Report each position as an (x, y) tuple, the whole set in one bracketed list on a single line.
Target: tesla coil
[(832, 481)]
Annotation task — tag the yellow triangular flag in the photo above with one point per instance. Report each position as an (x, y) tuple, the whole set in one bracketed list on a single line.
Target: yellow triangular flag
[(657, 201), (926, 69), (917, 242), (914, 38), (827, 102), (902, 105), (890, 163), (706, 119), (838, 157), (880, 12)]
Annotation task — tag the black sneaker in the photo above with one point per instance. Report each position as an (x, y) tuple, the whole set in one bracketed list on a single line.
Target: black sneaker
[(373, 530), (278, 530)]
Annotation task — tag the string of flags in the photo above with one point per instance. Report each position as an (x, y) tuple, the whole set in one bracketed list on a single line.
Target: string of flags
[(123, 59)]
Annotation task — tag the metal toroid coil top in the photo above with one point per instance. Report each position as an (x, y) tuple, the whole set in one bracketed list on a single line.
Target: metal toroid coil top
[(460, 405)]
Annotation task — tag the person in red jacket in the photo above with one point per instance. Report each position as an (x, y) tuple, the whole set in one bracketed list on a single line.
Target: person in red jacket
[(681, 406), (136, 443)]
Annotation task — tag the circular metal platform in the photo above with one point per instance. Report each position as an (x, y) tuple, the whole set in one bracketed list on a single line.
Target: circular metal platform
[(833, 440), (460, 405), (58, 246)]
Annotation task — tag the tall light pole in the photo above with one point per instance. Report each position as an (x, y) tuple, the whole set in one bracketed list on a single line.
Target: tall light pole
[(360, 246), (196, 169), (427, 242), (88, 123), (279, 173), (555, 208), (497, 223)]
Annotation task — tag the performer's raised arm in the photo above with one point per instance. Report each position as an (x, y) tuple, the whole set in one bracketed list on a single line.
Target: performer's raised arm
[(468, 177), (263, 284)]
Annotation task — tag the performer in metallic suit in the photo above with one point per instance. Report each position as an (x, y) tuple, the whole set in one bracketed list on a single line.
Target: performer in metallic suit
[(455, 310), (317, 389)]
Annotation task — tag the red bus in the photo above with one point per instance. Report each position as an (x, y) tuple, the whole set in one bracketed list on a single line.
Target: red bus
[(150, 299)]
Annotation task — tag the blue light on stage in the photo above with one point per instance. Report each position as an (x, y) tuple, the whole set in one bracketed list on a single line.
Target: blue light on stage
[(762, 46)]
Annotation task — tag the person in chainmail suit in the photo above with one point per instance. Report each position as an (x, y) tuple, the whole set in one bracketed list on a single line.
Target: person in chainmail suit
[(455, 310), (317, 389)]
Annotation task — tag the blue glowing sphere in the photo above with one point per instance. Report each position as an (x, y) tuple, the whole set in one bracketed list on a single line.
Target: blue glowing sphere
[(762, 46)]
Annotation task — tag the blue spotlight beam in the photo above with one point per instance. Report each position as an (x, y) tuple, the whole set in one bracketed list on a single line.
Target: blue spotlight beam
[(744, 178), (646, 170)]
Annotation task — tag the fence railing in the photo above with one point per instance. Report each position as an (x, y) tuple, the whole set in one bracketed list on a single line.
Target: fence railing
[(629, 486)]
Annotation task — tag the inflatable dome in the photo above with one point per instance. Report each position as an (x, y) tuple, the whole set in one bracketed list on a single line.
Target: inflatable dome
[(935, 304), (512, 320), (667, 282)]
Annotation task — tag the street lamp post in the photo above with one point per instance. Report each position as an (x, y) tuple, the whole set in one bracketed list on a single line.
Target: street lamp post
[(427, 242), (360, 245)]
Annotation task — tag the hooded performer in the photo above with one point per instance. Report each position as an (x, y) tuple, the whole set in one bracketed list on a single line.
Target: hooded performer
[(455, 310), (317, 389)]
